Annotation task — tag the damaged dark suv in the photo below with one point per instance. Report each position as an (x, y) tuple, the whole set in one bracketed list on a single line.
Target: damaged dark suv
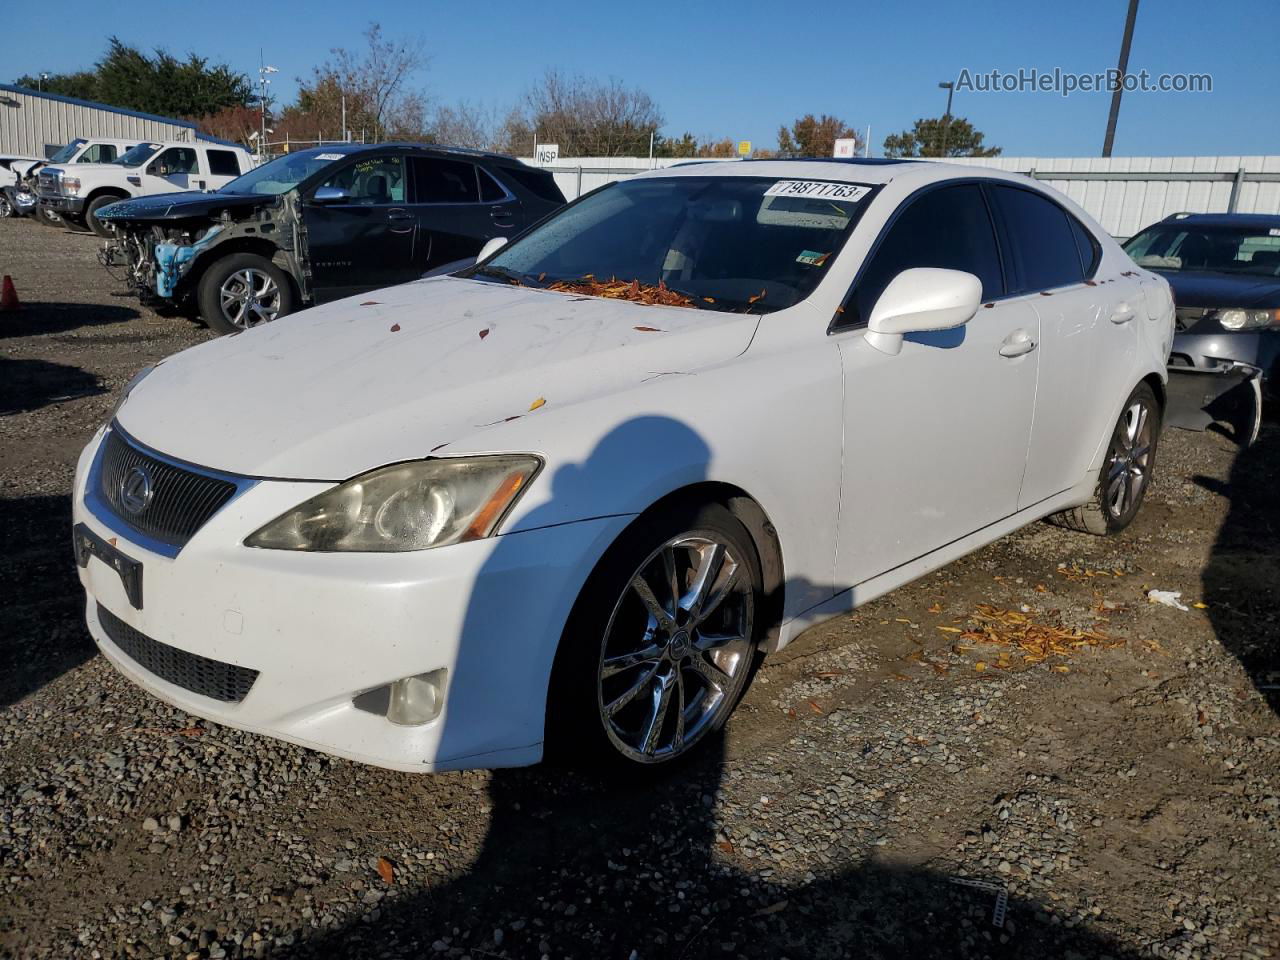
[(318, 225)]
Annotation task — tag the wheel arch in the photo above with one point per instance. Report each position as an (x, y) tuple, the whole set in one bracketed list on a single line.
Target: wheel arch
[(118, 192), (259, 246)]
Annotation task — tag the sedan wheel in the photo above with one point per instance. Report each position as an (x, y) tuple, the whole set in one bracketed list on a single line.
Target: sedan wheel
[(1128, 467), (677, 648), (249, 297)]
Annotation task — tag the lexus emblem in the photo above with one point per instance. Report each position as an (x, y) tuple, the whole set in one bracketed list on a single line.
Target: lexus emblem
[(136, 490)]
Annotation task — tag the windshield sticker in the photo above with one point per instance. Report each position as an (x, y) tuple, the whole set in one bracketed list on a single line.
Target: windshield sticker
[(812, 257), (1274, 232), (818, 189), (328, 156)]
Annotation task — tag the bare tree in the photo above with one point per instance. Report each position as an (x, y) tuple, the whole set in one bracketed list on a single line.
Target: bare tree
[(465, 124), (586, 117)]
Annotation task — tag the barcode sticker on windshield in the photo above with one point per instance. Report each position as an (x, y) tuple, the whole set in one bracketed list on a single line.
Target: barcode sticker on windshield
[(328, 156), (818, 190), (1274, 232)]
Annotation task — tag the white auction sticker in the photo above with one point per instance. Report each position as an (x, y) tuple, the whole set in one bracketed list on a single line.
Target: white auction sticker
[(818, 190), (328, 156)]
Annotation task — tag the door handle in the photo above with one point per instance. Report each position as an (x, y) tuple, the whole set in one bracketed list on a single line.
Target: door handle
[(497, 213), (399, 215), (1016, 344), (1123, 313)]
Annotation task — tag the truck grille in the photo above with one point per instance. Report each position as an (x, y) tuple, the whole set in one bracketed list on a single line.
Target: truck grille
[(155, 497), (49, 184), (190, 671)]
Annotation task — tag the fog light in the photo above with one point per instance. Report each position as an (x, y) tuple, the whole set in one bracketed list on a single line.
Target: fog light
[(416, 700)]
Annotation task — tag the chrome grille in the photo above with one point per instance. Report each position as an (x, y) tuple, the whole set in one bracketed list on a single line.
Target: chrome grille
[(190, 671), (49, 184), (181, 500)]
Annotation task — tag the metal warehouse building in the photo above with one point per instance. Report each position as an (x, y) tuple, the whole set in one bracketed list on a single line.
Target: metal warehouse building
[(36, 124)]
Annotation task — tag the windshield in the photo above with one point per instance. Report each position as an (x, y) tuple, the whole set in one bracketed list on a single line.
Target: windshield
[(718, 243), (137, 156), (281, 174), (67, 152), (1178, 245)]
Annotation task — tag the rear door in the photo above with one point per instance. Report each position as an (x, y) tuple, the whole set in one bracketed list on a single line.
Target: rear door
[(223, 166), (1087, 333), (458, 206), (366, 239)]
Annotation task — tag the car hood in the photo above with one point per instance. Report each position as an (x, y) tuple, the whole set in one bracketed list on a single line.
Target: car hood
[(1198, 289), (399, 373), (181, 206)]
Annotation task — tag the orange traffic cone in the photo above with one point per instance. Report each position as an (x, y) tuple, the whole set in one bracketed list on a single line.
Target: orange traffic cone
[(8, 296)]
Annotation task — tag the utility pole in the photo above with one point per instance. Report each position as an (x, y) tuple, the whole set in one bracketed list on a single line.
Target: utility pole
[(946, 117), (1122, 70), (263, 71)]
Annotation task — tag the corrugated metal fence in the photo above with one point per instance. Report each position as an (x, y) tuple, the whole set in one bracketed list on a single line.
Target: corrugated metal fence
[(31, 122), (1124, 194)]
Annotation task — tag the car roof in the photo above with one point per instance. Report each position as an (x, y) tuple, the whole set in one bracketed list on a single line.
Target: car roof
[(352, 149), (861, 170), (1249, 220)]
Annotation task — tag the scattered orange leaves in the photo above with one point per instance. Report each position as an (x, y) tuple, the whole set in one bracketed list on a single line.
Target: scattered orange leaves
[(615, 289), (1037, 641), (540, 402), (386, 871)]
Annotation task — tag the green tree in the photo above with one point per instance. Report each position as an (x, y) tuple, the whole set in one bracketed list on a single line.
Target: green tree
[(927, 138), (161, 83), (812, 136)]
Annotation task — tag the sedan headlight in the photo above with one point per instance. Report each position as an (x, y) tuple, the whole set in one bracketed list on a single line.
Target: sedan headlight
[(1237, 319), (407, 506), (70, 186)]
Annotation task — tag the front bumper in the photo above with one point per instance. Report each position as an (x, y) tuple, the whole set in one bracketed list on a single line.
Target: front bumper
[(63, 206), (321, 629)]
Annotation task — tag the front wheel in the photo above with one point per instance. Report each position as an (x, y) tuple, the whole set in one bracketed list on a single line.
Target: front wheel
[(6, 208), (241, 291), (91, 215), (1126, 469), (661, 644)]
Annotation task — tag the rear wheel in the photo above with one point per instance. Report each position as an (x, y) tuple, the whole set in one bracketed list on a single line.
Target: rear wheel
[(661, 644), (91, 215), (241, 291), (1126, 469)]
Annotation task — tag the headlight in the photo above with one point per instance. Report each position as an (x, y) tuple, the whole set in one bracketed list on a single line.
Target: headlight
[(408, 506), (71, 186), (1237, 319)]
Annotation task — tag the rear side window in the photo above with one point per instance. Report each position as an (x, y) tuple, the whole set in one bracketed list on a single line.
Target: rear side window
[(444, 181), (490, 190), (1042, 243), (538, 182), (949, 227), (174, 160), (1087, 245), (223, 163)]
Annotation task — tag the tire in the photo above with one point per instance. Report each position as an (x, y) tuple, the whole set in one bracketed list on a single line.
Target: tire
[(6, 208), (633, 690), (91, 215), (1115, 502), (46, 218), (217, 293)]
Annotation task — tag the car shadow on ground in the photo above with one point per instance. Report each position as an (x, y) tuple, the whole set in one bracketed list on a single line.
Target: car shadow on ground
[(42, 633), (1242, 578), (28, 384), (40, 317), (581, 865)]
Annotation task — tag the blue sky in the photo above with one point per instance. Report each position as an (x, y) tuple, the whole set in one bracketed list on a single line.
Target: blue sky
[(741, 69)]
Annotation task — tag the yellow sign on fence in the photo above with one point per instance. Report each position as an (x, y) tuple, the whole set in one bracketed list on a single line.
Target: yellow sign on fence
[(744, 148)]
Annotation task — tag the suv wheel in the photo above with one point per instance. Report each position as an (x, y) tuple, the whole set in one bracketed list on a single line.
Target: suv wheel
[(241, 291)]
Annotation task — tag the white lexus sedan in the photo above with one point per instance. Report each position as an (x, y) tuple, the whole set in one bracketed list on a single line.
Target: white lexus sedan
[(567, 499)]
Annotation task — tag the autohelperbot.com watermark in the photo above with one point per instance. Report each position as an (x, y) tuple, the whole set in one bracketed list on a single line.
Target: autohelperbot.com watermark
[(1065, 83)]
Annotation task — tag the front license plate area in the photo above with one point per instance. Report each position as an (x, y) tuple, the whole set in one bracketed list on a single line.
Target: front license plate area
[(88, 544)]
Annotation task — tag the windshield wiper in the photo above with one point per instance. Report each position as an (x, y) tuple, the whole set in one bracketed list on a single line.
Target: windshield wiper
[(502, 273)]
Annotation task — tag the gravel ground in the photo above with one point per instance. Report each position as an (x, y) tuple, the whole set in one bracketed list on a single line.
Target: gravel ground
[(889, 787)]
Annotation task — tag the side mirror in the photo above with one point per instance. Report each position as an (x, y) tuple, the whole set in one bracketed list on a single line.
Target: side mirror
[(919, 300), (331, 195), (492, 246)]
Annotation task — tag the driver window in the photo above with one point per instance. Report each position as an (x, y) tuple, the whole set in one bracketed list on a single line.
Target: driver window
[(174, 160), (378, 181)]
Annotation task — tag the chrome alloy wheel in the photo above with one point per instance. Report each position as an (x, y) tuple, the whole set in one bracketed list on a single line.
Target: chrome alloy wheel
[(677, 648), (249, 297), (1128, 460)]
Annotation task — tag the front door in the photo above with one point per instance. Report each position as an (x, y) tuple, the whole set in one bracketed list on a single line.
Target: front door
[(364, 239), (936, 437), (173, 169)]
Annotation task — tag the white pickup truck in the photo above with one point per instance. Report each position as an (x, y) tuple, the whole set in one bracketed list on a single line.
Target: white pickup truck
[(76, 195), (17, 181)]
